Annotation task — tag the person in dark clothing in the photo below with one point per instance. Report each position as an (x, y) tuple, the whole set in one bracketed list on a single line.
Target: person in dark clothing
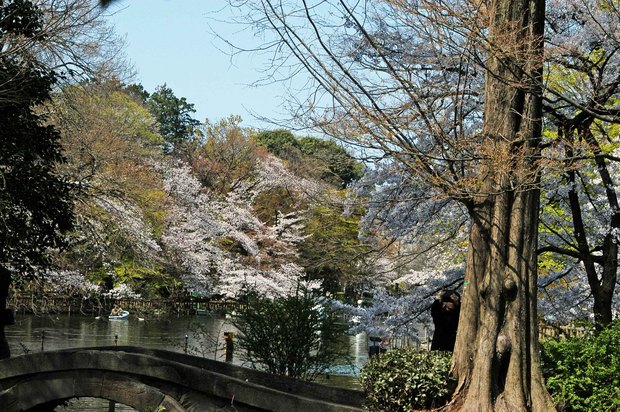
[(445, 312), (230, 346)]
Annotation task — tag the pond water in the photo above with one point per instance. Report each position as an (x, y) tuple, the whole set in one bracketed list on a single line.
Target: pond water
[(195, 335)]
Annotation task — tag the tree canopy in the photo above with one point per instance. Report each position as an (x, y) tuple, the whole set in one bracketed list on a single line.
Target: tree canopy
[(323, 159), (174, 116)]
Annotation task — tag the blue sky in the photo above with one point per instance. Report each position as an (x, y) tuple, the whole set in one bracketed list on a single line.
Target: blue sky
[(169, 41)]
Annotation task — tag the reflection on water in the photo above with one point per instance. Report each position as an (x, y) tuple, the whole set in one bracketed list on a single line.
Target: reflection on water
[(195, 335), (36, 333)]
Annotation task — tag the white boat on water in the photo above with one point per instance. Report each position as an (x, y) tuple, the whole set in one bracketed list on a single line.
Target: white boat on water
[(123, 315)]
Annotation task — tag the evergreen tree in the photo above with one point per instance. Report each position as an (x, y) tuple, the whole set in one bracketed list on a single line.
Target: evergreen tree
[(35, 202), (174, 115)]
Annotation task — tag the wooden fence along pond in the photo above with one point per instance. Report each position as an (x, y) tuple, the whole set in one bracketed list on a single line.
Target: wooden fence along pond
[(40, 304)]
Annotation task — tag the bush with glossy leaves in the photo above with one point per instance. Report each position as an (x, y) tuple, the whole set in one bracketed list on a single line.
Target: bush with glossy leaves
[(407, 379)]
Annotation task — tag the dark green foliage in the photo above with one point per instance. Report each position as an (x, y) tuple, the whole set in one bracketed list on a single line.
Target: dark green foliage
[(583, 373), (20, 17), (340, 164), (323, 159), (137, 92), (331, 250), (174, 116), (277, 141), (35, 203), (296, 336), (407, 379)]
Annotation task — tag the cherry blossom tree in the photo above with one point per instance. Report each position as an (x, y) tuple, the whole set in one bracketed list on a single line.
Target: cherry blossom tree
[(582, 214), (221, 245)]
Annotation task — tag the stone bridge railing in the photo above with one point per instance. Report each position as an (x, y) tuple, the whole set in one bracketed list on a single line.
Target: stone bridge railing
[(152, 380)]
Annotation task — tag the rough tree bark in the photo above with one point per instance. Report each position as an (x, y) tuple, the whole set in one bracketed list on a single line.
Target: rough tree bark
[(501, 370)]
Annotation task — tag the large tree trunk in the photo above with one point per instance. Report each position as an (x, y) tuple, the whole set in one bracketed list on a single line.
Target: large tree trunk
[(496, 355)]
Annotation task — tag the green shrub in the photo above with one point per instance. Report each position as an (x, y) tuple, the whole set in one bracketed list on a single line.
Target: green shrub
[(406, 379), (300, 336), (583, 373)]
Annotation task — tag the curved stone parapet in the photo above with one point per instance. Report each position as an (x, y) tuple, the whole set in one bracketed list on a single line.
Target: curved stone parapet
[(148, 379)]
